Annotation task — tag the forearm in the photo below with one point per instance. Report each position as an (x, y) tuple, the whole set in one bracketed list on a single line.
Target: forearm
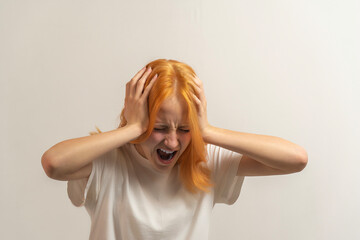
[(272, 151), (71, 155)]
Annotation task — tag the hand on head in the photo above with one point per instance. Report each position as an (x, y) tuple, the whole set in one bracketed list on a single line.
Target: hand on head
[(200, 102), (136, 110)]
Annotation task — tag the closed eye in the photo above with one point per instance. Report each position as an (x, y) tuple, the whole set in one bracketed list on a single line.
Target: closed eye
[(159, 129), (184, 130), (164, 129)]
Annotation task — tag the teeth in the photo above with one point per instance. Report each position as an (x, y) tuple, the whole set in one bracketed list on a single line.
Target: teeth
[(165, 151)]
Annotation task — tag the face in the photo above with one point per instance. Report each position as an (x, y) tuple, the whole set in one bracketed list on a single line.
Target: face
[(170, 135)]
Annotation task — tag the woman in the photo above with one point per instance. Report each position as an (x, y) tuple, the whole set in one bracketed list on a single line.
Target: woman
[(160, 173)]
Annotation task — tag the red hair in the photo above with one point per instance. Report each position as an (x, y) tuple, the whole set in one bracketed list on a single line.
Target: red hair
[(176, 78)]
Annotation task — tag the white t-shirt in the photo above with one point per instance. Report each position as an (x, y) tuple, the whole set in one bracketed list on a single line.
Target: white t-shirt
[(127, 199)]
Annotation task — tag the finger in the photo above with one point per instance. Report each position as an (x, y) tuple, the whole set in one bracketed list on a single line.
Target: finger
[(199, 90), (149, 86), (197, 101), (139, 74), (197, 80), (127, 89), (132, 83), (140, 84)]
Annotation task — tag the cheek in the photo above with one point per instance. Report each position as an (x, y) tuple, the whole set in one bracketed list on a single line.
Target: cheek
[(155, 138), (185, 139), (151, 142)]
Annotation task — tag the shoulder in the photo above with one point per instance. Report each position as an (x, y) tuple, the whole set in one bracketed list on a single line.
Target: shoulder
[(217, 153), (109, 161)]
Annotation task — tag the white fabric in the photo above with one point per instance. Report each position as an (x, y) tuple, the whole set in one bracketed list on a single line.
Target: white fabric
[(127, 199)]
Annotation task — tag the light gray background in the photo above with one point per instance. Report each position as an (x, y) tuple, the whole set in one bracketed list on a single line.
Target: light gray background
[(284, 68)]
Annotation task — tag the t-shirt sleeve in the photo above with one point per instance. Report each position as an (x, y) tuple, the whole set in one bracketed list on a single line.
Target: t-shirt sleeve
[(224, 166), (87, 189)]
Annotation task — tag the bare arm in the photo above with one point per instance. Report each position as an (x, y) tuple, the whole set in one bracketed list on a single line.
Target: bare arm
[(262, 154), (72, 159), (68, 157)]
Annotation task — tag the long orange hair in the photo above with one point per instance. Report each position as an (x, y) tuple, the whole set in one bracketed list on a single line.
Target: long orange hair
[(176, 78)]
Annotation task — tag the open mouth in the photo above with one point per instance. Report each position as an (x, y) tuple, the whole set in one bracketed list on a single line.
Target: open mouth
[(165, 156)]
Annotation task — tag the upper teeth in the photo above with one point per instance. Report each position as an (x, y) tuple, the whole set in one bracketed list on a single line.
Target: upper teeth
[(165, 151)]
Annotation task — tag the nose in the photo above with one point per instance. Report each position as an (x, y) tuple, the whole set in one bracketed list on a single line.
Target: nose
[(171, 140)]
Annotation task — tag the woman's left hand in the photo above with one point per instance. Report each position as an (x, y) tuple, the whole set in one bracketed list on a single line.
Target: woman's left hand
[(200, 101)]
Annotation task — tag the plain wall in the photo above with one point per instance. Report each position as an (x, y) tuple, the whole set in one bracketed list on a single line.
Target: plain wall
[(283, 68)]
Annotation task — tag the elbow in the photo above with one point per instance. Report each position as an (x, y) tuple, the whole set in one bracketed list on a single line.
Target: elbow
[(301, 160), (47, 162)]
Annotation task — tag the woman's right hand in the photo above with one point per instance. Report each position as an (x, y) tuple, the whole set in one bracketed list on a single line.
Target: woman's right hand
[(72, 159), (136, 97)]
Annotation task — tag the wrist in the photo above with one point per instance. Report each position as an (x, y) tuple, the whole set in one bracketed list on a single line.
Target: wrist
[(207, 132), (134, 130)]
